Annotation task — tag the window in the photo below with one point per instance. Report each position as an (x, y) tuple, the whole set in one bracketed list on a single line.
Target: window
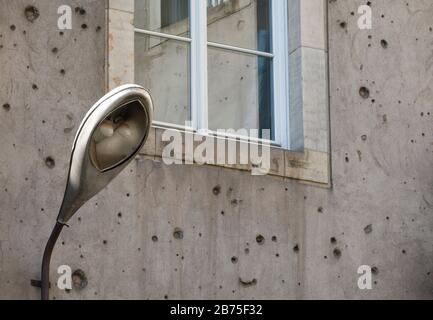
[(215, 64)]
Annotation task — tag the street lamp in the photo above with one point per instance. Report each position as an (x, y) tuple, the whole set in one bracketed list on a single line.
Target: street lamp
[(111, 134)]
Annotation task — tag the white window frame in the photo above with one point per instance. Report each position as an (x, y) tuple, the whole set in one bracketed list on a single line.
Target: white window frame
[(199, 70)]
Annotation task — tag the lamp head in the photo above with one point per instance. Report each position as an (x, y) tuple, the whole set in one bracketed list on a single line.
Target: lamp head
[(108, 139)]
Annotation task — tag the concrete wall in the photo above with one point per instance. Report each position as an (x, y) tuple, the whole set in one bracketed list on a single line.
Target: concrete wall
[(206, 223)]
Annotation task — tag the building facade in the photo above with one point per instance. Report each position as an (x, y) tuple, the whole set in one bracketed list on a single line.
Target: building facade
[(350, 114)]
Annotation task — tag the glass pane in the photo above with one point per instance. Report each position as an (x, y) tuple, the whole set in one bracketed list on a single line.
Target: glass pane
[(165, 16), (240, 23), (118, 137), (240, 88), (162, 67)]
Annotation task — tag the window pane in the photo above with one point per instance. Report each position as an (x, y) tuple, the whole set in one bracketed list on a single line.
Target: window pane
[(240, 23), (162, 67), (165, 16), (240, 89)]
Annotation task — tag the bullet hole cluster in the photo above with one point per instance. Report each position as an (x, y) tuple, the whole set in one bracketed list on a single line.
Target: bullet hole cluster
[(79, 279), (178, 234), (337, 253), (247, 283), (31, 13), (50, 162), (216, 190), (260, 239), (368, 229), (364, 92), (80, 10)]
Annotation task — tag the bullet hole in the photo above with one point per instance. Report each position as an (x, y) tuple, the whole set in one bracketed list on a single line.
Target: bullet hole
[(155, 239), (54, 50), (216, 190), (80, 10), (128, 195), (6, 107), (333, 240), (79, 279), (403, 251), (119, 215), (274, 239), (104, 242), (50, 162), (98, 28), (320, 210), (277, 255), (248, 283), (166, 297), (247, 251), (337, 253), (234, 260), (260, 239), (369, 3), (343, 25), (178, 234), (384, 44), (31, 13), (223, 213), (234, 202), (368, 229), (364, 93), (296, 248), (347, 159), (62, 72), (34, 87), (375, 270), (12, 27), (84, 26)]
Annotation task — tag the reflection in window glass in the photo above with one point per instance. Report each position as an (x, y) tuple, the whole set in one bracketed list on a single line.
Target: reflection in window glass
[(164, 16), (239, 91), (240, 23), (162, 67)]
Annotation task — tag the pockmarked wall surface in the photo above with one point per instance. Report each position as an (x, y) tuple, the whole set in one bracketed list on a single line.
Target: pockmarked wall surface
[(188, 232)]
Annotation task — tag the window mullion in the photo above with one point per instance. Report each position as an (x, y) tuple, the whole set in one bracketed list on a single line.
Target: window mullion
[(281, 72), (199, 66)]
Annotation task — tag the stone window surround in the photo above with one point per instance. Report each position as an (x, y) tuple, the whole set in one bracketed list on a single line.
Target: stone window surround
[(308, 78)]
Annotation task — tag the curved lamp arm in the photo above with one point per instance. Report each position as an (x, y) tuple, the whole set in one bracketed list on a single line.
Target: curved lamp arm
[(45, 274)]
